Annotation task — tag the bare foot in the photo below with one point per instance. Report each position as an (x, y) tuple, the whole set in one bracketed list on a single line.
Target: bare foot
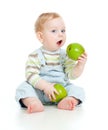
[(33, 105), (68, 103)]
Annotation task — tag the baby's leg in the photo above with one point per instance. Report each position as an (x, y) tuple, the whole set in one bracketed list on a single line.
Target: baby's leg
[(68, 103), (33, 104)]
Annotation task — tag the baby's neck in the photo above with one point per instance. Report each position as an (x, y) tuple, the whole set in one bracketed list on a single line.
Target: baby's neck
[(49, 51)]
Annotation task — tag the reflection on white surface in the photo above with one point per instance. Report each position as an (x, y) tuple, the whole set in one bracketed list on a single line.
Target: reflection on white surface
[(92, 115)]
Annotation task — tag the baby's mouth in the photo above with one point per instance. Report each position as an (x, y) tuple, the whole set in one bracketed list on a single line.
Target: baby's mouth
[(59, 42)]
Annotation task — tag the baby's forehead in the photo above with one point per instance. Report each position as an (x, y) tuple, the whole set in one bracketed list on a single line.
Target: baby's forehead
[(56, 22)]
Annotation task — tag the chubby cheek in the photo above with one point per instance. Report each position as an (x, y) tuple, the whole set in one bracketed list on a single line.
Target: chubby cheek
[(51, 40), (47, 38)]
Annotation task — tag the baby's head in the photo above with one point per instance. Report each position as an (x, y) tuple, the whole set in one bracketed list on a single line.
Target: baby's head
[(50, 30)]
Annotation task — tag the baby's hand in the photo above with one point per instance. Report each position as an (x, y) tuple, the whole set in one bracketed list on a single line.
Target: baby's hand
[(50, 91), (82, 59)]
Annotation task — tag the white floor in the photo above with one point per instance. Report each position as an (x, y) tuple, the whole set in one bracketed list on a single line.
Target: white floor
[(93, 114)]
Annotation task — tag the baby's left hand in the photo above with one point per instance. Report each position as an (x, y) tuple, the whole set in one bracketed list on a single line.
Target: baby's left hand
[(82, 59)]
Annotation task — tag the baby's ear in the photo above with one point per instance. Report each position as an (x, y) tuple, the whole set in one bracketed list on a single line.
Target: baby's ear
[(40, 36)]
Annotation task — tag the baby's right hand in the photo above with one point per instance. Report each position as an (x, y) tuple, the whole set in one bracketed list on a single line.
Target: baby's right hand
[(50, 91)]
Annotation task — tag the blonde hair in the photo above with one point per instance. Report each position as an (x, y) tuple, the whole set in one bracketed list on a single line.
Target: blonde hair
[(43, 18)]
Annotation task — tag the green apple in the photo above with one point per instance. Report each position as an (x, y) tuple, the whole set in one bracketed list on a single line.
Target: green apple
[(62, 92), (74, 51)]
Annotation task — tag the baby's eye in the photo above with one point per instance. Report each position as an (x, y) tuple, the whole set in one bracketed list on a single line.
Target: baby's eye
[(53, 31), (63, 30)]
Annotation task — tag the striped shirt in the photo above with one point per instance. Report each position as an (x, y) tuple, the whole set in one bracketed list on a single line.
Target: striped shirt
[(33, 65)]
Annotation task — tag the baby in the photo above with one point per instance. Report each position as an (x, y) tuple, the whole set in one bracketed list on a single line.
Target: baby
[(49, 65)]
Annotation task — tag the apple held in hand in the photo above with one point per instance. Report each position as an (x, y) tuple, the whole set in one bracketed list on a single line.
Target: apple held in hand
[(74, 51), (62, 92)]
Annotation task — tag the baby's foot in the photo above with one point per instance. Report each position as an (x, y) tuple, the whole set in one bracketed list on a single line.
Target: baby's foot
[(68, 103), (33, 105)]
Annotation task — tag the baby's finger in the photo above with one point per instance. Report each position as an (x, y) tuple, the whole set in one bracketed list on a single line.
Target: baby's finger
[(56, 92), (49, 96), (83, 55), (53, 96)]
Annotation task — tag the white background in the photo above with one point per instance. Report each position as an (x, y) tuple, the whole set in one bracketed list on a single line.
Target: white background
[(87, 23)]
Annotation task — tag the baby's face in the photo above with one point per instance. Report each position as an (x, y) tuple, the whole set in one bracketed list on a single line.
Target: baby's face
[(53, 34)]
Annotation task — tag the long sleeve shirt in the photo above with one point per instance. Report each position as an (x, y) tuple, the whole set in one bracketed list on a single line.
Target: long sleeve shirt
[(33, 65)]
